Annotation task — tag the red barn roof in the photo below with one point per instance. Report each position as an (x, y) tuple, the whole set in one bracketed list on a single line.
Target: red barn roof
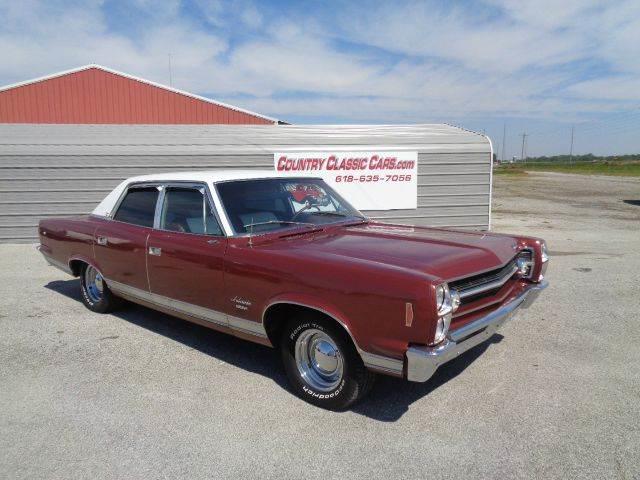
[(96, 94)]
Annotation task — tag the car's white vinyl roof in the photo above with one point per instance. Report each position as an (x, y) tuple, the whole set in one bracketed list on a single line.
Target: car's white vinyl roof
[(105, 208), (208, 176)]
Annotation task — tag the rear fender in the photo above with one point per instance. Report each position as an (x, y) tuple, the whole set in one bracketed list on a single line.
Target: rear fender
[(84, 259)]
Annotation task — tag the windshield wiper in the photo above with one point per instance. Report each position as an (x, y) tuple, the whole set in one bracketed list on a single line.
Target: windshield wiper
[(337, 214), (279, 222)]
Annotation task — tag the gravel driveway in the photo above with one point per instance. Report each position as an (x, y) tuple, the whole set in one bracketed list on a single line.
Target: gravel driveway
[(139, 394)]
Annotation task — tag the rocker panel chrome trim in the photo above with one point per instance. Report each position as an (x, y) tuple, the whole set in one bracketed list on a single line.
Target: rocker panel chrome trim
[(379, 362), (213, 316)]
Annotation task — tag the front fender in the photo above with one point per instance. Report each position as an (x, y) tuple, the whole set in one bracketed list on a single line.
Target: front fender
[(373, 356), (315, 303)]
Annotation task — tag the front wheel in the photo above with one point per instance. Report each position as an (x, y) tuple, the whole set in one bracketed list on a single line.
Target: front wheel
[(94, 291), (322, 363)]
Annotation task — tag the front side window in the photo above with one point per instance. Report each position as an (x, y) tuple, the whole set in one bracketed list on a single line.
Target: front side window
[(187, 210), (271, 204), (138, 206)]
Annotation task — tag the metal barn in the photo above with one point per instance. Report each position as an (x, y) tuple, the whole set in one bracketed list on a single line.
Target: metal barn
[(52, 170), (94, 94)]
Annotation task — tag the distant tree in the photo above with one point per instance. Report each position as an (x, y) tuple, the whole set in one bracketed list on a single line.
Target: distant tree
[(589, 157)]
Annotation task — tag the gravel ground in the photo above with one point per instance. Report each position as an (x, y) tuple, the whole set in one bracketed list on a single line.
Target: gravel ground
[(139, 394)]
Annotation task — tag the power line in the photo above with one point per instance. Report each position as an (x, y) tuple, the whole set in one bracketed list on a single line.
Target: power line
[(571, 149), (524, 139), (623, 123), (504, 138), (620, 118)]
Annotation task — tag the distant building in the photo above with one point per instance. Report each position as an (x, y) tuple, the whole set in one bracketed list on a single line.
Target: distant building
[(98, 95)]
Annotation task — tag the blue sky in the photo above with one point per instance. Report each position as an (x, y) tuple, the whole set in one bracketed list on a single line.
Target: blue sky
[(539, 67)]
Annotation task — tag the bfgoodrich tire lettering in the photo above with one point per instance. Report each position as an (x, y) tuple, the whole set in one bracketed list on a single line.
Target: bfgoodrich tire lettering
[(94, 291), (322, 364)]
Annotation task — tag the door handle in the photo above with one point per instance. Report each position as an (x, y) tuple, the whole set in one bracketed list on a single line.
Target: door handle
[(157, 251), (102, 240), (213, 242)]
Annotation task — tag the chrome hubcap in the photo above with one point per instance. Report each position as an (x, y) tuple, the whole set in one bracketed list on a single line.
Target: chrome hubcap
[(94, 284), (319, 360)]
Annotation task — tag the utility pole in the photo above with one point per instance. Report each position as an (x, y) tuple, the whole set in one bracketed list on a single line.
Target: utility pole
[(571, 148), (504, 136), (524, 138), (170, 73)]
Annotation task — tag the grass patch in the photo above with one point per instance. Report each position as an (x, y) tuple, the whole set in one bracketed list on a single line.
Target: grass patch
[(623, 169), (509, 170)]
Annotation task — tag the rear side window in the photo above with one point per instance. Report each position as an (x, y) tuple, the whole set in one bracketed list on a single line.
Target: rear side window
[(187, 210), (138, 207)]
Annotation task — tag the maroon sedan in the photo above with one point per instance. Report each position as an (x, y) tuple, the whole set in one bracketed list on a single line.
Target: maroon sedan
[(341, 296)]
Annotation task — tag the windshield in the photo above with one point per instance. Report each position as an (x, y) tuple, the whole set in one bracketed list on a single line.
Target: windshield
[(255, 206)]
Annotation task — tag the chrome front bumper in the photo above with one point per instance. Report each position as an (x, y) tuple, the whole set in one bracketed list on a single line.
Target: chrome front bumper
[(422, 361)]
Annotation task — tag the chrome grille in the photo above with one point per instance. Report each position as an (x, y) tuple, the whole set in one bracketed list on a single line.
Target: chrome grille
[(485, 282)]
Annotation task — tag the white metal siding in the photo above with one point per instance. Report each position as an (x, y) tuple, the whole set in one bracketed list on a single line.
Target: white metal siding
[(53, 170)]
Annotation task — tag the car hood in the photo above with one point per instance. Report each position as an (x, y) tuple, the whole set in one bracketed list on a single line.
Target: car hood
[(446, 254)]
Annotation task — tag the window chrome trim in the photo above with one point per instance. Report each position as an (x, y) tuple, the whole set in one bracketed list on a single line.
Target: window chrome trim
[(219, 318), (162, 185), (112, 214), (302, 177), (162, 190), (203, 188), (220, 211)]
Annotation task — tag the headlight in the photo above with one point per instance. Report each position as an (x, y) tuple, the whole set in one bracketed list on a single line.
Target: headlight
[(525, 263), (442, 328), (447, 302), (440, 296), (545, 261), (443, 299)]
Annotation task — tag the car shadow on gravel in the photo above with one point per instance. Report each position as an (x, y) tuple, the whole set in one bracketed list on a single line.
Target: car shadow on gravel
[(387, 402), (391, 397), (227, 348)]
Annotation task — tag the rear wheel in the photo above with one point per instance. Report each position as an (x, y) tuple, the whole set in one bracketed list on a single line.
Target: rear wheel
[(322, 363), (94, 291)]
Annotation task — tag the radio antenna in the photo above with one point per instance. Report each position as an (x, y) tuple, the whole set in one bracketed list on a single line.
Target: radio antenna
[(251, 233)]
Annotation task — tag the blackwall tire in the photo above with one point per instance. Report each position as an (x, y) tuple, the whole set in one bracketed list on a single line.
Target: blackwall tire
[(322, 364), (94, 291)]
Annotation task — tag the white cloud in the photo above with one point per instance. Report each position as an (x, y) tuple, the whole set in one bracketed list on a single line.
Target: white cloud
[(467, 36), (625, 88), (383, 62), (251, 16)]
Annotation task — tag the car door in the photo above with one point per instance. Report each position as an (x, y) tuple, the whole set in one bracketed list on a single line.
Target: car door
[(185, 254), (120, 244)]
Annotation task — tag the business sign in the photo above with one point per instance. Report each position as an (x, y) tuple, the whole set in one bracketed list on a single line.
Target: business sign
[(368, 180)]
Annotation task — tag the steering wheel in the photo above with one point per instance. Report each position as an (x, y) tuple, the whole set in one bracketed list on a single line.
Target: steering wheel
[(177, 227), (307, 206)]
